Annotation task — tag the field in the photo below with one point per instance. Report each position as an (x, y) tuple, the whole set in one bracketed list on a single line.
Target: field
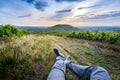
[(30, 57)]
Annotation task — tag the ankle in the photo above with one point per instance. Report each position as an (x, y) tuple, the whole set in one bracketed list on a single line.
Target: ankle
[(68, 61)]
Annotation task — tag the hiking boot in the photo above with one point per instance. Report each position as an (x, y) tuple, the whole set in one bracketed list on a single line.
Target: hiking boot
[(57, 52)]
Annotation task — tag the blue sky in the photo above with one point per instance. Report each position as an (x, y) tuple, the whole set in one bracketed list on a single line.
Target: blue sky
[(51, 12)]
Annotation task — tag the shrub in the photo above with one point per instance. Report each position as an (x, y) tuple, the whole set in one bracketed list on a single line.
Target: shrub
[(10, 30)]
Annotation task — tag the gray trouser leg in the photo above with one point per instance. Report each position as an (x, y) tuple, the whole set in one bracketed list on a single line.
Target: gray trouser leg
[(78, 69), (90, 72), (58, 70)]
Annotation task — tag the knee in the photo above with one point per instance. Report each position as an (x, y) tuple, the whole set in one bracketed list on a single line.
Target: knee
[(101, 68), (100, 73)]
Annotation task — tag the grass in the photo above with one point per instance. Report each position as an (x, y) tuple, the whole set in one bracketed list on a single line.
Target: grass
[(86, 54), (26, 58), (31, 57)]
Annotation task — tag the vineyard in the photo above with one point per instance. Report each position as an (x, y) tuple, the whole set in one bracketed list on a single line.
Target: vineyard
[(106, 36), (102, 36)]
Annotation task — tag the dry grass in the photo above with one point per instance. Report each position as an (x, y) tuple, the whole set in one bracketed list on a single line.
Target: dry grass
[(31, 57), (86, 54)]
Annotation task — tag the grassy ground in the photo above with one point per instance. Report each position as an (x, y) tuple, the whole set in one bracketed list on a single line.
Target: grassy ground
[(27, 58), (30, 57)]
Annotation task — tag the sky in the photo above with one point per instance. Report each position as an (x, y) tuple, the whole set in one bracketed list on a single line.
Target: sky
[(52, 12)]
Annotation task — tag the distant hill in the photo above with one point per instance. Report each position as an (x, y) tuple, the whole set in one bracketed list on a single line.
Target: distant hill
[(63, 27)]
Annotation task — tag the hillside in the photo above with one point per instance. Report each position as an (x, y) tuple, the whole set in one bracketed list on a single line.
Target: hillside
[(63, 27), (31, 57)]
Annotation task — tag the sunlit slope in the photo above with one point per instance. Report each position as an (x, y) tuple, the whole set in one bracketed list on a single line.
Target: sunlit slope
[(30, 57)]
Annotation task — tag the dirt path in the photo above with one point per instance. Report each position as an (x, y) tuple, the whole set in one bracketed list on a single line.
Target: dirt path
[(59, 43), (62, 44)]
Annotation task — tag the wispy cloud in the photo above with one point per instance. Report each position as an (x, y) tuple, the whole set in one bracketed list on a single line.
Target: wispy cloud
[(6, 13), (57, 17), (101, 16), (88, 7), (64, 11), (24, 16), (107, 15), (61, 16), (69, 0)]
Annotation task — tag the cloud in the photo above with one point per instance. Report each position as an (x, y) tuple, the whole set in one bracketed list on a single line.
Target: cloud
[(87, 7), (41, 5), (38, 4), (107, 15), (58, 11), (64, 11), (23, 16), (5, 13), (101, 16), (69, 0), (29, 1), (40, 18), (59, 16)]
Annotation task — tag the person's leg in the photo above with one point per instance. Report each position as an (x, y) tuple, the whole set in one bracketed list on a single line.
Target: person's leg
[(88, 72), (59, 68), (78, 69), (98, 73)]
